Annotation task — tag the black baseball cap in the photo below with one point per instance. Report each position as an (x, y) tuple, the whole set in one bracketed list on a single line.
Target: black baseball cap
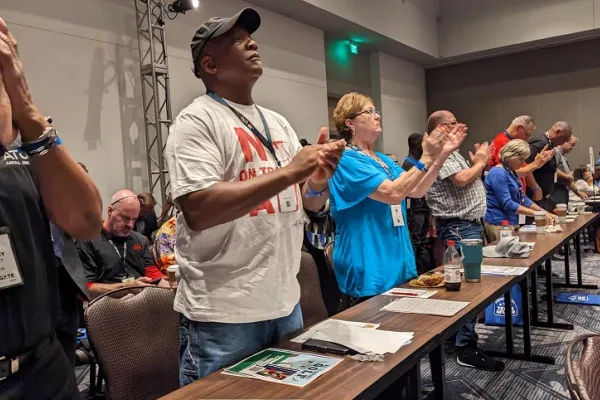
[(217, 26)]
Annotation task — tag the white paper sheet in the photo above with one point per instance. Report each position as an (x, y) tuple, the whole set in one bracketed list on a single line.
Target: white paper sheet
[(365, 340), (528, 228), (505, 271), (530, 244), (444, 308), (329, 323), (402, 292)]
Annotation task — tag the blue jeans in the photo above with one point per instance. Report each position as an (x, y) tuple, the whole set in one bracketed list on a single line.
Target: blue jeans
[(455, 229), (206, 347)]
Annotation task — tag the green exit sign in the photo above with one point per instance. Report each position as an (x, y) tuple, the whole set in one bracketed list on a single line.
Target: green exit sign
[(353, 48)]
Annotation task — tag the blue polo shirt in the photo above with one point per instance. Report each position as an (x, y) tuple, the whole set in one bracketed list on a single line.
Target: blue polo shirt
[(504, 195), (370, 255)]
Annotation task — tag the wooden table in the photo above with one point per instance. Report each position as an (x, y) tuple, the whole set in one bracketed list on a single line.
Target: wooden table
[(353, 379)]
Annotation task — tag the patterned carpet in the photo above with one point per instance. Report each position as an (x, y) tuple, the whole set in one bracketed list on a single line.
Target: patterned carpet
[(525, 380), (520, 380)]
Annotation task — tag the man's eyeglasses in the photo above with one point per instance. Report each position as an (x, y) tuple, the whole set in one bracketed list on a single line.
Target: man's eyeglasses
[(371, 111), (123, 198)]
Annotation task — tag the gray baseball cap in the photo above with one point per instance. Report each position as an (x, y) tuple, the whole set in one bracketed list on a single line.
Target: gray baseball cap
[(217, 26)]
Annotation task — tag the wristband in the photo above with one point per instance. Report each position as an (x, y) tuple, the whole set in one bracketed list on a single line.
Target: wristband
[(313, 193), (417, 164), (43, 144), (535, 189)]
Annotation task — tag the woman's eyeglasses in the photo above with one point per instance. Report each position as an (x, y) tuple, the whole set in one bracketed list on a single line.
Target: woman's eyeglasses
[(371, 111)]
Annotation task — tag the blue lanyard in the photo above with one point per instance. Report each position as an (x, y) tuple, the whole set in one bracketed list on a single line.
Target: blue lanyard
[(266, 141), (382, 164), (514, 175)]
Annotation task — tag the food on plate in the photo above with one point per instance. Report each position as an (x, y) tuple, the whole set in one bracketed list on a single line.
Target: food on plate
[(429, 279)]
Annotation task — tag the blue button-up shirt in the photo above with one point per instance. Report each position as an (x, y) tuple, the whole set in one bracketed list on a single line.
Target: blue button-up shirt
[(504, 195)]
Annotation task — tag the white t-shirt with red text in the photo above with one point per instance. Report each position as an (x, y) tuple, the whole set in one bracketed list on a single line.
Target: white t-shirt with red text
[(243, 270)]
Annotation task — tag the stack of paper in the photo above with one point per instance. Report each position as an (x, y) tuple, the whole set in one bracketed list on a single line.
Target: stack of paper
[(504, 271), (359, 336), (331, 323), (283, 366), (528, 228), (365, 340), (444, 308), (402, 292)]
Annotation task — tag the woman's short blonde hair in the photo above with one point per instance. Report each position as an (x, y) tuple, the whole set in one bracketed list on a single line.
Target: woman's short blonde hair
[(515, 149), (349, 105)]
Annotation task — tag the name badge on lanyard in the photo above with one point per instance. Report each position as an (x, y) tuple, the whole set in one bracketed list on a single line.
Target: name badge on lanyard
[(288, 200), (397, 216), (10, 274)]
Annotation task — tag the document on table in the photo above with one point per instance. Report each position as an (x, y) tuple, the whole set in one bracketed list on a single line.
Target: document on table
[(528, 228), (402, 292), (530, 244), (329, 323), (444, 308), (505, 271), (365, 340)]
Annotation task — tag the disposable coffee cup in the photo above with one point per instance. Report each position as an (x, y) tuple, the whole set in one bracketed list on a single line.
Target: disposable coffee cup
[(581, 208), (561, 211), (540, 222), (172, 274)]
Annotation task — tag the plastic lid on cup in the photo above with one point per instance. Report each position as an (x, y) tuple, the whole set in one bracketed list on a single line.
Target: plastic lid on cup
[(540, 213), (451, 243), (561, 205), (172, 268), (505, 223)]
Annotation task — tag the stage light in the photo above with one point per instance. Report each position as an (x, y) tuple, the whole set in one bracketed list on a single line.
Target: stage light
[(181, 6)]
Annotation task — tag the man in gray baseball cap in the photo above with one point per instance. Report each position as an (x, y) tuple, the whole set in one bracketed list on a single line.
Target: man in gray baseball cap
[(241, 179)]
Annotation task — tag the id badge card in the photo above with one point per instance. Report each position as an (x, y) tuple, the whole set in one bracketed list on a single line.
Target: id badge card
[(522, 219), (10, 273), (288, 200), (397, 216)]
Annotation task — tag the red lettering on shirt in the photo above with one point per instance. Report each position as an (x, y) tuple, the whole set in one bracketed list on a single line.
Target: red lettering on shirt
[(267, 205), (246, 140)]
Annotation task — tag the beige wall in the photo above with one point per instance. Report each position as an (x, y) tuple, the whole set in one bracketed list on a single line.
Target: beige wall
[(558, 83), (403, 102), (469, 26)]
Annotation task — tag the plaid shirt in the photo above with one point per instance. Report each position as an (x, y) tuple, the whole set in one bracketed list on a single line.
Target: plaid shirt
[(447, 200)]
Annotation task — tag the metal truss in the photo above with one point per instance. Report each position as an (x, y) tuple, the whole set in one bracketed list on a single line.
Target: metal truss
[(154, 68)]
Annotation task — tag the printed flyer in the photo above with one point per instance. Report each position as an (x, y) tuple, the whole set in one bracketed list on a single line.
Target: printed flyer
[(283, 366)]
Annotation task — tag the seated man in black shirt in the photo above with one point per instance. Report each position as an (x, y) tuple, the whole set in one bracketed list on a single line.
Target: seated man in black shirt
[(120, 257)]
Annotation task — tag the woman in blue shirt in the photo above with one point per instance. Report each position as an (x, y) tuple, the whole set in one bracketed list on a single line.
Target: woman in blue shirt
[(506, 198), (372, 251)]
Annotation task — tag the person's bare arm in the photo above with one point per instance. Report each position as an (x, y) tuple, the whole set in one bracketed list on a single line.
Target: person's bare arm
[(540, 159), (98, 289), (467, 176), (480, 160), (453, 141), (70, 198), (227, 201), (318, 182), (393, 192)]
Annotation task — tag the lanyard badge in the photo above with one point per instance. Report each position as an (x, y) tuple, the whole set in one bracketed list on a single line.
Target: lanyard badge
[(10, 274)]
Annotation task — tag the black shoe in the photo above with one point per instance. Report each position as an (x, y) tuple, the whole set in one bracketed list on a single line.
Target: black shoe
[(474, 357)]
